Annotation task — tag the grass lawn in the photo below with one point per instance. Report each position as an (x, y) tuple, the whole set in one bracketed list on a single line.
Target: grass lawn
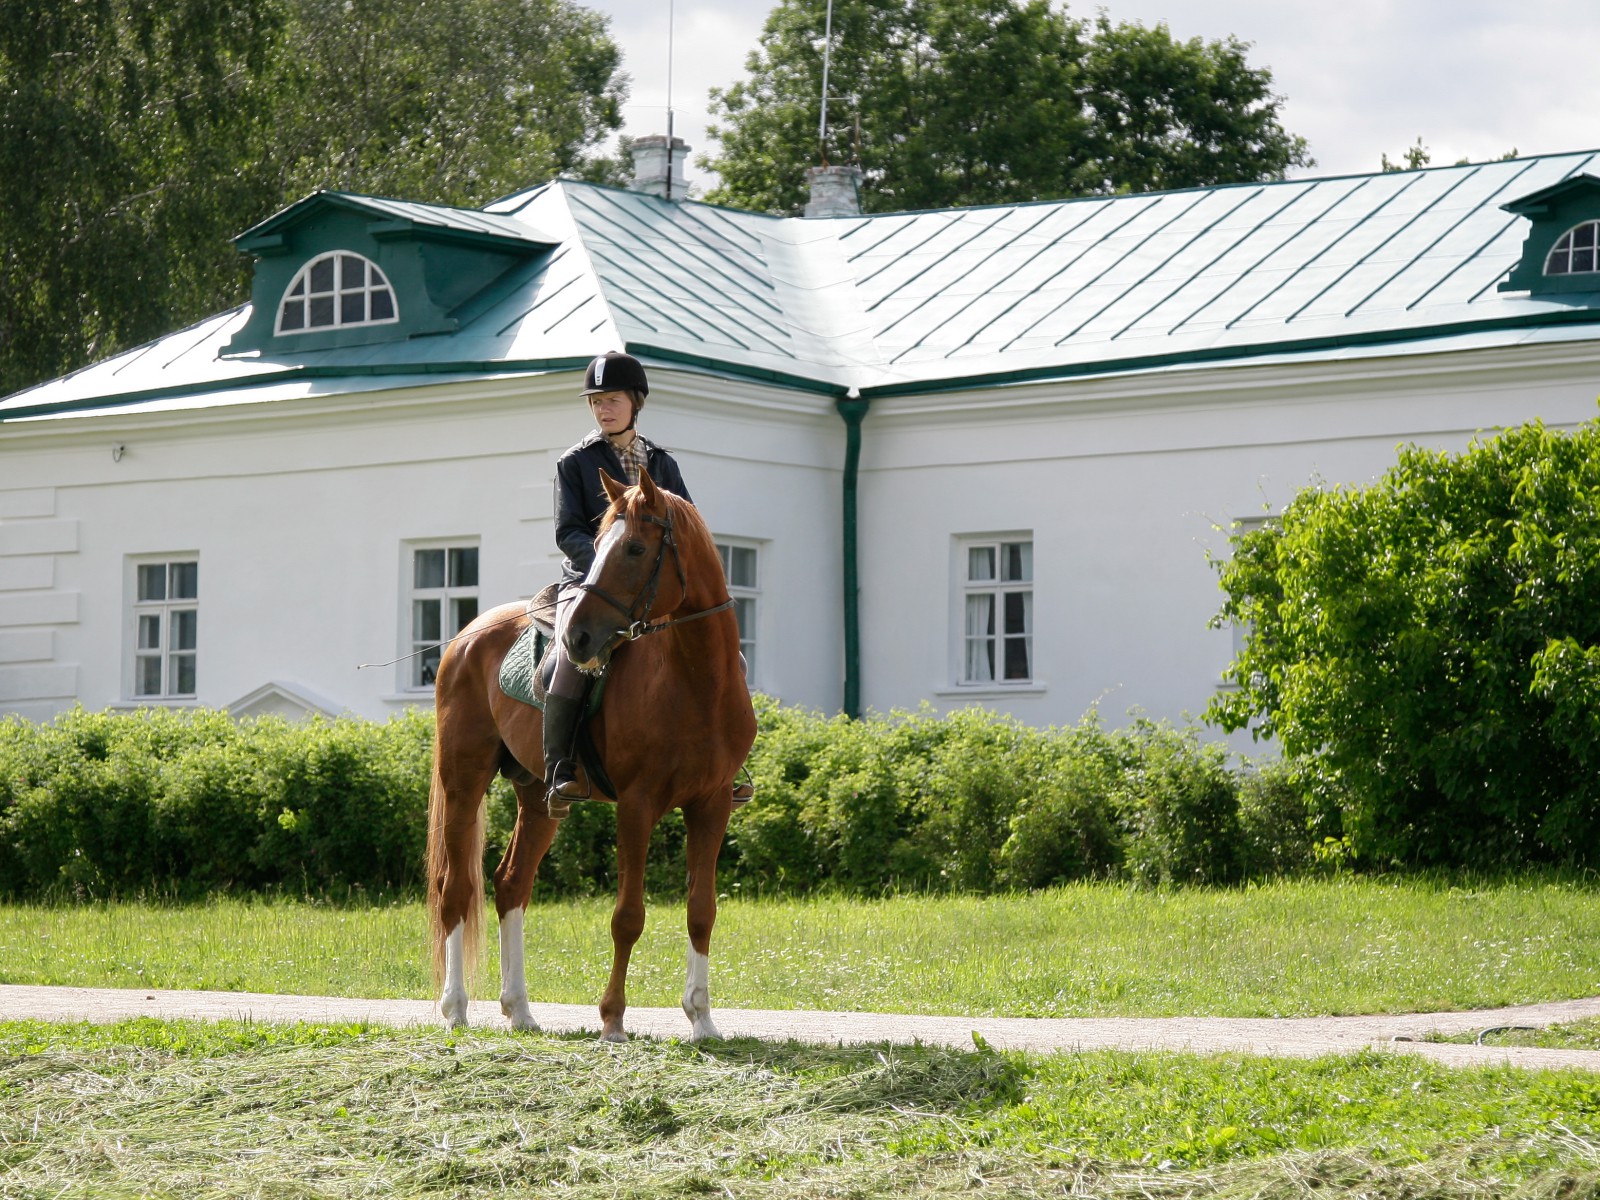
[(180, 1109), (1283, 949)]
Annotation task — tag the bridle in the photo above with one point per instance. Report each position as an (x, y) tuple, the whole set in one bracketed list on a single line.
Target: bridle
[(638, 612)]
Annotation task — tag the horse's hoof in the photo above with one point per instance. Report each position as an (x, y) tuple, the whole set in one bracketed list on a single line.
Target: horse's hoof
[(614, 1035), (705, 1031), (453, 1010), (520, 1015)]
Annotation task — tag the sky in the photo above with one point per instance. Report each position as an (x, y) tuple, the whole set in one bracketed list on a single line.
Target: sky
[(1473, 79)]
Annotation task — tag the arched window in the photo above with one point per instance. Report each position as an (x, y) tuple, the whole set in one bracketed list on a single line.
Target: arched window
[(1577, 252), (336, 290)]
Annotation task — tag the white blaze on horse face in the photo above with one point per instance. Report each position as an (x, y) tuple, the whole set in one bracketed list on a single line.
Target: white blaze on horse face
[(697, 997), (612, 539), (513, 974), (453, 1000)]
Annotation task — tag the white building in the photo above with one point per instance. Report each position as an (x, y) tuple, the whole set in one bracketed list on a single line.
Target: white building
[(1042, 416)]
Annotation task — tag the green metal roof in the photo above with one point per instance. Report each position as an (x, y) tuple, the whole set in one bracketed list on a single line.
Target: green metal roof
[(932, 301)]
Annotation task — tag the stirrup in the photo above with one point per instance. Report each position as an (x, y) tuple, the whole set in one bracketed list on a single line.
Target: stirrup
[(744, 791)]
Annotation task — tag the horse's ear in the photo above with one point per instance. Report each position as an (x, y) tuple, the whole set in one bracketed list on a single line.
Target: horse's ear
[(612, 487), (647, 487)]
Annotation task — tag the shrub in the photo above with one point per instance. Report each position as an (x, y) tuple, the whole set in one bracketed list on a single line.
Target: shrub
[(1428, 645), (1179, 807)]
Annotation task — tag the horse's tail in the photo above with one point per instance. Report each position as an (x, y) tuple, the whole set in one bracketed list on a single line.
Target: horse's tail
[(455, 888)]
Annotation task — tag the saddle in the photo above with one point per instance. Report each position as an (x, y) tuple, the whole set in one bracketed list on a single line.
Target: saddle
[(525, 675)]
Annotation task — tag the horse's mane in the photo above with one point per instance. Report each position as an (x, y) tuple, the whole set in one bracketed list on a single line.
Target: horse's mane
[(685, 516)]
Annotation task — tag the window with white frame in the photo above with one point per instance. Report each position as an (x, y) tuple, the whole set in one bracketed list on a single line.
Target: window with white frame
[(1242, 526), (996, 608), (1577, 253), (334, 290), (443, 599), (166, 627), (741, 567)]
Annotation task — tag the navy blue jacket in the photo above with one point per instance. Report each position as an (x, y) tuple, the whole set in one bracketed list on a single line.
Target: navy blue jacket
[(581, 500)]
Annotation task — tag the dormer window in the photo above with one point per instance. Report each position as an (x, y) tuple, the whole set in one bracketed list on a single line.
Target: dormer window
[(1576, 252), (337, 290)]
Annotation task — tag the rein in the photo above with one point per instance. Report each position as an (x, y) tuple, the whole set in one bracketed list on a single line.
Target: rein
[(639, 626)]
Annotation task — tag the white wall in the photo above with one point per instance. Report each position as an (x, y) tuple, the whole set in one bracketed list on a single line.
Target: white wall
[(299, 511), (1124, 484)]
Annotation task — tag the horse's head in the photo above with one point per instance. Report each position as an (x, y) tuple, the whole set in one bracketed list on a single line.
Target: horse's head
[(638, 570)]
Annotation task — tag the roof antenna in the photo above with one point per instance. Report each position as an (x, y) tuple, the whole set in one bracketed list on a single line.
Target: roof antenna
[(668, 195), (827, 50)]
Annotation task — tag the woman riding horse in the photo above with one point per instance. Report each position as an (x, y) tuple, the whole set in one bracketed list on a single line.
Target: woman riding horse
[(615, 386)]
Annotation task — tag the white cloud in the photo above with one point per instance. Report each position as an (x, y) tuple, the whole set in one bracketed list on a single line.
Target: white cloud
[(1472, 78)]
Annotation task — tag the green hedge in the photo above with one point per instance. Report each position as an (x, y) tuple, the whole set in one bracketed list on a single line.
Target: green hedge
[(190, 802)]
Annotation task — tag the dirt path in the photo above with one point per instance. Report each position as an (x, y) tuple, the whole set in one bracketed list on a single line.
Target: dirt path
[(1302, 1037)]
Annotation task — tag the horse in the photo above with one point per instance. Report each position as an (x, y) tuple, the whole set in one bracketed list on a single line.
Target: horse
[(674, 727)]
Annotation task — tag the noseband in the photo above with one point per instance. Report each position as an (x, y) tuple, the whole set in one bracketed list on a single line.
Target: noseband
[(637, 614)]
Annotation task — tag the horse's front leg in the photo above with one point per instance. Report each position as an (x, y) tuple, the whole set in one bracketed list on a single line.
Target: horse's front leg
[(627, 919), (705, 823), (513, 885)]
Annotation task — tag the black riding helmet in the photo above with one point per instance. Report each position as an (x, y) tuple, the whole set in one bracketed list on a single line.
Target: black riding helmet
[(615, 371)]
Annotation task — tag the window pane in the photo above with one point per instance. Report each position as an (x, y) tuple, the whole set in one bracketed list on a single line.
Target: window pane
[(1019, 612), (980, 615), (1584, 235), (352, 308), (153, 581), (1017, 655), (150, 632), (462, 611), (183, 670), (427, 667), (1557, 264), (464, 566), (185, 581), (743, 573), (1583, 260), (425, 621), (294, 314), (382, 305), (299, 288), (980, 563), (321, 310), (1018, 564), (147, 676), (322, 276), (184, 626), (979, 667), (744, 609), (429, 569), (352, 272)]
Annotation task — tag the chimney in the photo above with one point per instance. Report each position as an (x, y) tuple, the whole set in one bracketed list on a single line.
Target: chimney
[(835, 191), (658, 172)]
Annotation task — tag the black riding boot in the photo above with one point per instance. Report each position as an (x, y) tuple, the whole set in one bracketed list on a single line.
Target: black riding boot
[(561, 714)]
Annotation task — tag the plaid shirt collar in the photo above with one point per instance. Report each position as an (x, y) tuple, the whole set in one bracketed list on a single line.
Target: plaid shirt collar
[(631, 456)]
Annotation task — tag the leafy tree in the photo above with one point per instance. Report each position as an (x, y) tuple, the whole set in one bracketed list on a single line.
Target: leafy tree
[(957, 102), (137, 138), (1431, 644)]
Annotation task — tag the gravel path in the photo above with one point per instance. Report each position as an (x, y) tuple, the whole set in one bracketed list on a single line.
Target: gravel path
[(1303, 1037)]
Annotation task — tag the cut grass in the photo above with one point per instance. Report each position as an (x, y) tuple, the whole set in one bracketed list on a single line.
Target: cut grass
[(148, 1108), (1283, 949)]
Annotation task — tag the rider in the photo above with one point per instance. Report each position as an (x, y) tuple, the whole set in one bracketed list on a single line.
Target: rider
[(615, 387)]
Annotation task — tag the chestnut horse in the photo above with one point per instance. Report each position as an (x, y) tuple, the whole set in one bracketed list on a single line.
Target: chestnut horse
[(674, 728)]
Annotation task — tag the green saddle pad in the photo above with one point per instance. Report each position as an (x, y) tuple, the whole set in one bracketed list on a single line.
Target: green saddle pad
[(519, 672)]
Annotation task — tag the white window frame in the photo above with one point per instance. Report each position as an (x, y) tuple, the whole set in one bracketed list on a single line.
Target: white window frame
[(746, 595), (300, 291), (966, 588), (162, 630), (1564, 251), (458, 603)]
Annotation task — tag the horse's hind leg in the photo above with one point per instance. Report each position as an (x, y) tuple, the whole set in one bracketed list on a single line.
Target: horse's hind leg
[(455, 883), (513, 884), (705, 823)]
